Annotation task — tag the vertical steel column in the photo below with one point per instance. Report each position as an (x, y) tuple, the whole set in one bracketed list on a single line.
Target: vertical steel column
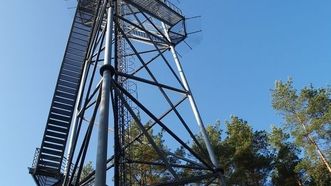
[(194, 107), (101, 159)]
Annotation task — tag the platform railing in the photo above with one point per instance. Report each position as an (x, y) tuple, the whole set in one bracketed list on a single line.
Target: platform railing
[(35, 158), (173, 7)]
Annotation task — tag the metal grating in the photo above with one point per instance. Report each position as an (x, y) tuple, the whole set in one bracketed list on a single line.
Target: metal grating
[(160, 10)]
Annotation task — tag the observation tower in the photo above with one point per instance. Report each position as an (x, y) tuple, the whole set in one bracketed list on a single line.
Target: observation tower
[(116, 47)]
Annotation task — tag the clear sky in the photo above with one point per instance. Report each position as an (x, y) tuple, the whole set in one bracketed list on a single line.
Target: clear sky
[(246, 46)]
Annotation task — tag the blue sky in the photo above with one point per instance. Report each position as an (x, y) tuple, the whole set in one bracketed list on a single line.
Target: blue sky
[(246, 46)]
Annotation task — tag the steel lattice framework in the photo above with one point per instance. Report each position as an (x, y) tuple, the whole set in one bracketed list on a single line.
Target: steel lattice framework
[(114, 47)]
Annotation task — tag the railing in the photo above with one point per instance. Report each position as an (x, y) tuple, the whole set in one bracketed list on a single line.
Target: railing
[(35, 158), (173, 7), (64, 164)]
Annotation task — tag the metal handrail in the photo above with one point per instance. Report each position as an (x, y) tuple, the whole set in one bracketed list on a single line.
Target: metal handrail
[(35, 158), (173, 7)]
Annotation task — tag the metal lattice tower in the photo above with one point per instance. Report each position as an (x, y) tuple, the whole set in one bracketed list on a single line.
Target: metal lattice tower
[(114, 47)]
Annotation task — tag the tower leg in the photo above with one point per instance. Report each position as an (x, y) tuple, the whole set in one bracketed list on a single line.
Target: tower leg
[(195, 110), (101, 159)]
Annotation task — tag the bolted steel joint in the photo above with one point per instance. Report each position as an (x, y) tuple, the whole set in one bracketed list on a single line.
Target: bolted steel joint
[(107, 67)]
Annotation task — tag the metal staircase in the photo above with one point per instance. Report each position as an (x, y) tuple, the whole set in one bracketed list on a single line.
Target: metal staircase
[(49, 161), (47, 168)]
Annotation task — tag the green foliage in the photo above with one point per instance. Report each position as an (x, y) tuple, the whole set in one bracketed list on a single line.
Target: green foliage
[(249, 159), (142, 150), (307, 112), (307, 115), (286, 159), (87, 169), (243, 154)]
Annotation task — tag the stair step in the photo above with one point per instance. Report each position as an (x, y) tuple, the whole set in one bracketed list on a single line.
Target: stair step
[(76, 43), (62, 106), (72, 60), (51, 158), (78, 37), (67, 84), (70, 73), (59, 123), (61, 100), (54, 134), (66, 89), (68, 76), (76, 32), (72, 67), (53, 146), (76, 57), (52, 152), (54, 140), (62, 112), (58, 129), (48, 164), (77, 50), (59, 117), (65, 95), (81, 26)]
